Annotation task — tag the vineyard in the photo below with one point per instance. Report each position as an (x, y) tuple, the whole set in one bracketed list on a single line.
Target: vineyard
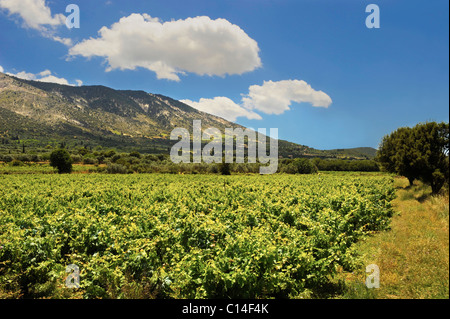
[(184, 236)]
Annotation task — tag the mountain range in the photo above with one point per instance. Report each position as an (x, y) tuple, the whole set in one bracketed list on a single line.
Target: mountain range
[(39, 114)]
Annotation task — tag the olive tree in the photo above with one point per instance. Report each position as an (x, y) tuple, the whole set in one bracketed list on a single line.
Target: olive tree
[(419, 153), (61, 160)]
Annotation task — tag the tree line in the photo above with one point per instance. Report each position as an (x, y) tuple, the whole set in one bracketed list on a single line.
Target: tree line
[(111, 161), (420, 152)]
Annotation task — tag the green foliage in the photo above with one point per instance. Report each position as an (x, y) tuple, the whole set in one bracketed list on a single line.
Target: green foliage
[(346, 165), (301, 166), (6, 158), (61, 160), (420, 153), (224, 168), (89, 160), (76, 159), (113, 168), (136, 162), (83, 151), (135, 154), (16, 163), (221, 237), (110, 153)]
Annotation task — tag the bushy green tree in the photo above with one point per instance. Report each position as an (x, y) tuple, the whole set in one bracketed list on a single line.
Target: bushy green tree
[(61, 160), (396, 153), (420, 153), (431, 151)]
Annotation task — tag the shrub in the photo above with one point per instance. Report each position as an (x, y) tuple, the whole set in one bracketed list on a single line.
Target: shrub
[(151, 158), (83, 151), (135, 154), (23, 158), (16, 163), (101, 159), (116, 169), (115, 158), (289, 169), (89, 161), (241, 168), (299, 166), (61, 160), (76, 158), (6, 158), (110, 153), (35, 158), (45, 157), (224, 168), (213, 169)]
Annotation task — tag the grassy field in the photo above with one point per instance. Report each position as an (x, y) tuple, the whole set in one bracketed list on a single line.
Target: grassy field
[(413, 257)]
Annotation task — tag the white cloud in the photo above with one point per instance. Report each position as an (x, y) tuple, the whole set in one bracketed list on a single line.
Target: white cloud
[(34, 13), (276, 97), (44, 76), (197, 45), (66, 41), (53, 79), (45, 73), (222, 107), (1, 69), (270, 98)]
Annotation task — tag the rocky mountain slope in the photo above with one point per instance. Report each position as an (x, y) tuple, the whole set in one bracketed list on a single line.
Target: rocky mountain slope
[(47, 113)]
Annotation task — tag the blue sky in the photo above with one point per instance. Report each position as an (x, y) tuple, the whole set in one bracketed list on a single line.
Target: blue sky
[(310, 68)]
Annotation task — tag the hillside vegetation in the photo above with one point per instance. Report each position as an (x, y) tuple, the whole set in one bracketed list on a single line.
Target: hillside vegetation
[(40, 115)]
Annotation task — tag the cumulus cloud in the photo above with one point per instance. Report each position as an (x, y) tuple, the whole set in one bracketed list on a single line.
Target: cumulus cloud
[(277, 97), (197, 45), (66, 41), (1, 69), (222, 107), (269, 98), (35, 14), (44, 76)]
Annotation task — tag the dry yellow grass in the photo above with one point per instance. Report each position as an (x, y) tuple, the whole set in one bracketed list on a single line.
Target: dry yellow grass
[(413, 256)]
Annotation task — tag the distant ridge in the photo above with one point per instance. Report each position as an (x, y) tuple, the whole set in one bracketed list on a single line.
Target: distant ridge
[(370, 152), (40, 114)]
